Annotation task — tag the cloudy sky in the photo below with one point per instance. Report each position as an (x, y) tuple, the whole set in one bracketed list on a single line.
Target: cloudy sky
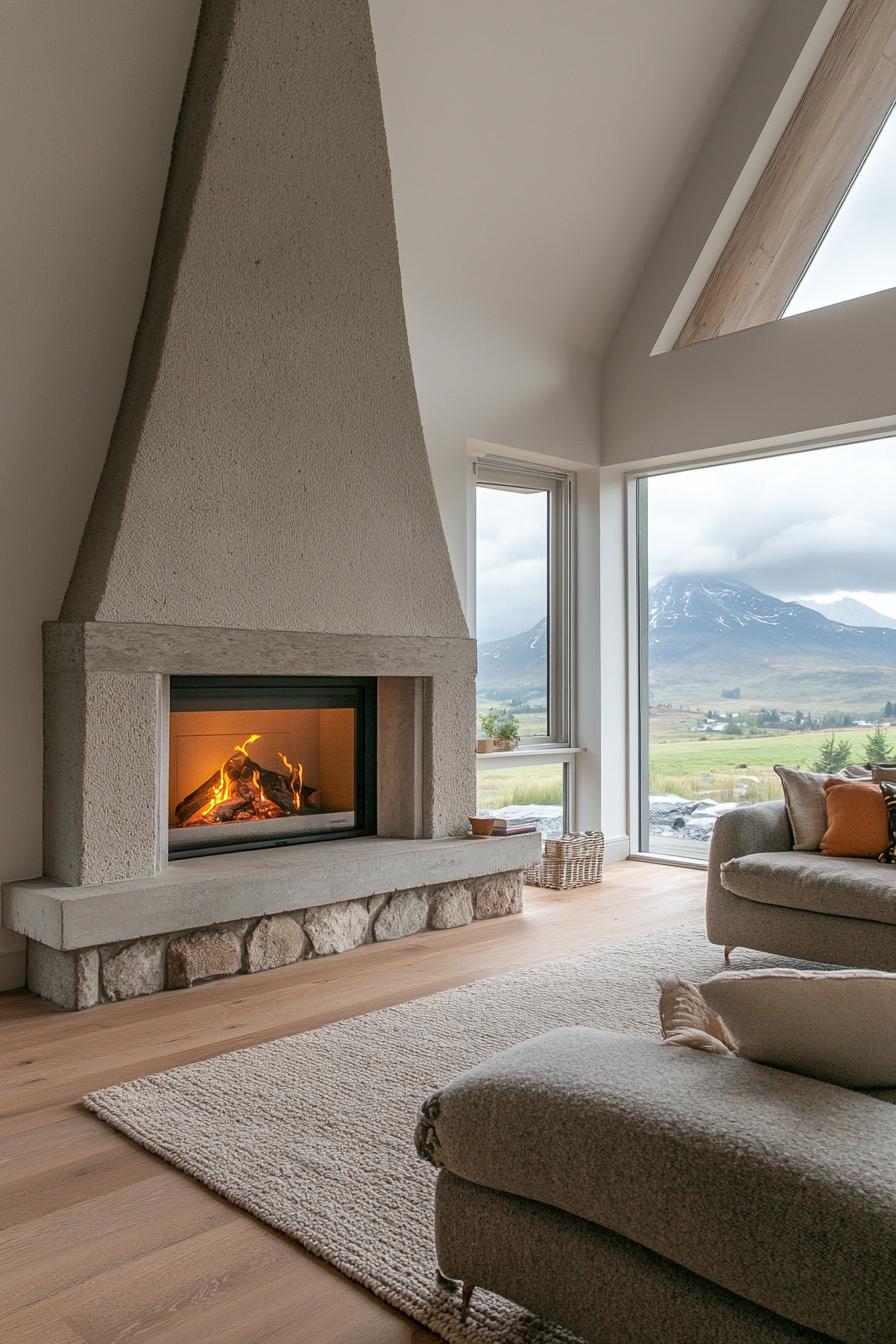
[(511, 561), (814, 525), (857, 255), (817, 525)]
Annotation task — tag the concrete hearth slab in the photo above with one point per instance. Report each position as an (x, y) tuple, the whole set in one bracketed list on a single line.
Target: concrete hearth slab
[(195, 893)]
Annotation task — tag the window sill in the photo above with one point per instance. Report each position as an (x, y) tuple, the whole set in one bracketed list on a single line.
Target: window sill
[(549, 752)]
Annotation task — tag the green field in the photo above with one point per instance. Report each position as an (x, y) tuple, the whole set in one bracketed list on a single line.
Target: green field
[(519, 786), (725, 754), (711, 767)]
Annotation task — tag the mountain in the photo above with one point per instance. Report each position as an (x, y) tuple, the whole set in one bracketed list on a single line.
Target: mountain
[(516, 662), (709, 633), (850, 612)]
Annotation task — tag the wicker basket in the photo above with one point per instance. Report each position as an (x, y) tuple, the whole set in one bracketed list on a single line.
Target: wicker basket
[(572, 861)]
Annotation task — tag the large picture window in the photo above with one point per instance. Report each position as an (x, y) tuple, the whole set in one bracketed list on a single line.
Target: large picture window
[(523, 630), (767, 631)]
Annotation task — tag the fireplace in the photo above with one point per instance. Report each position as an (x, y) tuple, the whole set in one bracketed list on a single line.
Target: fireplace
[(312, 468), (261, 761)]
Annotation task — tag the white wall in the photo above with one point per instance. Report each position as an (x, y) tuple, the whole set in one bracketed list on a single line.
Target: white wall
[(88, 105), (536, 149)]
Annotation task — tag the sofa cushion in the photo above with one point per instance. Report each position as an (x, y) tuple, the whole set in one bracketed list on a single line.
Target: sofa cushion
[(853, 888), (857, 820), (779, 1188)]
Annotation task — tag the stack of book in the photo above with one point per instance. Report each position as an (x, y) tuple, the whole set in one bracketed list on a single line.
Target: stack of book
[(514, 826)]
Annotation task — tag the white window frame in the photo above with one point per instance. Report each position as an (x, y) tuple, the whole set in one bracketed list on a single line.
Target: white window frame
[(636, 586), (555, 746)]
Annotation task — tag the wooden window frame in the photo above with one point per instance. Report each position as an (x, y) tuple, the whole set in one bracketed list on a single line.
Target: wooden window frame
[(837, 120)]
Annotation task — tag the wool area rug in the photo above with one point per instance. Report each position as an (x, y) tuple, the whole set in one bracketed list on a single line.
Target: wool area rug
[(314, 1134)]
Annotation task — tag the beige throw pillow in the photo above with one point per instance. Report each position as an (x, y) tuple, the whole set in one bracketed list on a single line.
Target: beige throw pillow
[(839, 1026), (804, 799)]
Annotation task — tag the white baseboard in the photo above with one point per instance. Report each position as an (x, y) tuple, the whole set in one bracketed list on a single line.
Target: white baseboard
[(616, 847), (12, 969)]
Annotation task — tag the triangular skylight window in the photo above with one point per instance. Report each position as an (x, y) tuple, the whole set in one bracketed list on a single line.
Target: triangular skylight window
[(857, 255), (820, 224)]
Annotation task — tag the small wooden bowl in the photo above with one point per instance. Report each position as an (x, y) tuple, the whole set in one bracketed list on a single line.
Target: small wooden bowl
[(481, 827)]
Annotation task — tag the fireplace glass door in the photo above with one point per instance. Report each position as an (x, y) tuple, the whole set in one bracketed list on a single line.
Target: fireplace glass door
[(259, 761)]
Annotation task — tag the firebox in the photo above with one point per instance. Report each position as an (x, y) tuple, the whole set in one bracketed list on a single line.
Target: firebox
[(259, 761)]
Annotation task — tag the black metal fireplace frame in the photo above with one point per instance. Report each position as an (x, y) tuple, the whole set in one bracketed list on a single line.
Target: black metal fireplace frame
[(247, 692)]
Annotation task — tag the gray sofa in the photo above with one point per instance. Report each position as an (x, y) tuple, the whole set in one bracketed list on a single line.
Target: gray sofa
[(635, 1192), (763, 894)]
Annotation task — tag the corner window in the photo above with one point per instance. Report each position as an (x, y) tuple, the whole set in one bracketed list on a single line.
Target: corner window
[(767, 631)]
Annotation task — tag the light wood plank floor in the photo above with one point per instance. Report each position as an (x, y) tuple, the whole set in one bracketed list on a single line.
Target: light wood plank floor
[(102, 1243)]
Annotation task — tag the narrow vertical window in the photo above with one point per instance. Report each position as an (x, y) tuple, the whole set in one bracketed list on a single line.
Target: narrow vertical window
[(523, 630)]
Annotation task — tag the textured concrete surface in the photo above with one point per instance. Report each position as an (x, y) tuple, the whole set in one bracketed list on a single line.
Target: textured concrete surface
[(270, 398), (198, 892), (69, 979), (106, 776), (109, 646), (102, 778), (449, 777)]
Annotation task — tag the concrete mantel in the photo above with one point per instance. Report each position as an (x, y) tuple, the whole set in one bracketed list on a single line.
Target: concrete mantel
[(111, 646), (206, 891), (106, 730)]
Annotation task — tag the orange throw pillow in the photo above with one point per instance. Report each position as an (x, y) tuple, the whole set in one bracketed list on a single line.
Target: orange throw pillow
[(857, 820)]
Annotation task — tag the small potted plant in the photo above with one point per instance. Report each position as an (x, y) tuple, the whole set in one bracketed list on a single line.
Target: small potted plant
[(501, 730)]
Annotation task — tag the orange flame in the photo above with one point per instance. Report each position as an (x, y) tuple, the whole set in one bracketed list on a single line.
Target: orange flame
[(225, 789), (242, 786), (295, 780)]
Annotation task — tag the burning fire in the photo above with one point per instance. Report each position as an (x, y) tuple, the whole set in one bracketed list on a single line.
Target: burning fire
[(226, 787), (295, 780), (242, 790)]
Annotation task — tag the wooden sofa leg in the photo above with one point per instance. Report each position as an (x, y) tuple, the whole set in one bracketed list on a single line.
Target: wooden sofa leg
[(466, 1294), (727, 953)]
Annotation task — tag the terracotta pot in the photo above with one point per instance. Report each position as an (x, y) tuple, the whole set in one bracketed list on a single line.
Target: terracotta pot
[(484, 744), (481, 826)]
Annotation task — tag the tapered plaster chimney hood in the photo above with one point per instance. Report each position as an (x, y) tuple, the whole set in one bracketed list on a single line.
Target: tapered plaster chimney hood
[(267, 468)]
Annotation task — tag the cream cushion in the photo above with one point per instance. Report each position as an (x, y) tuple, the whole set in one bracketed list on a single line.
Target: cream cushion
[(839, 1026)]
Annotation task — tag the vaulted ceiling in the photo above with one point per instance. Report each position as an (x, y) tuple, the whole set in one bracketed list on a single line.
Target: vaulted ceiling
[(536, 149)]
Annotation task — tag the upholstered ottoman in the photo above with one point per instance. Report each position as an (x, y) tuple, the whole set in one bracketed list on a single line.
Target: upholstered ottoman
[(633, 1191)]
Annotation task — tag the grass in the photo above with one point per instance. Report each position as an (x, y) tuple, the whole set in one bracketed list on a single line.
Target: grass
[(698, 769), (519, 787), (720, 754), (719, 787)]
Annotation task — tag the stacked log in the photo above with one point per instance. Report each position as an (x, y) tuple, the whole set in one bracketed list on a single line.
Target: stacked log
[(251, 793)]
